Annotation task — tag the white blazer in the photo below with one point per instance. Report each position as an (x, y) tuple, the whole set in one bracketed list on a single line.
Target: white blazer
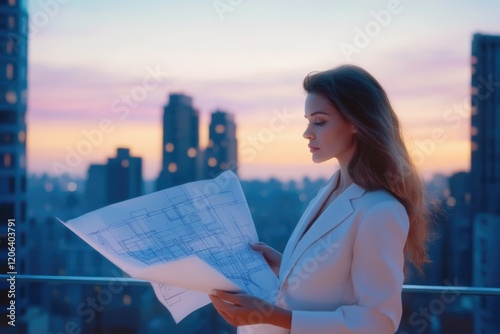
[(345, 275)]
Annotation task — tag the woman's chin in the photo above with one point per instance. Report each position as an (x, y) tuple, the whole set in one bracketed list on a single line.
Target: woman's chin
[(317, 160)]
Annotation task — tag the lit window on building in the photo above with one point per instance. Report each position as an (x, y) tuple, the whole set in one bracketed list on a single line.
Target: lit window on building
[(467, 197), (210, 143), (473, 110), (473, 90), (473, 146), (473, 60), (71, 186), (12, 22), (9, 71), (169, 147), (212, 162), (12, 3), (48, 187), (219, 128), (21, 136), (22, 160), (223, 166), (451, 201), (125, 163), (172, 167), (473, 131), (191, 152), (127, 300), (7, 160), (11, 97)]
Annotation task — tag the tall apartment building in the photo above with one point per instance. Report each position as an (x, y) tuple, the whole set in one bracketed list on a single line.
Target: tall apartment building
[(485, 175), (13, 97), (180, 142), (485, 124), (221, 153)]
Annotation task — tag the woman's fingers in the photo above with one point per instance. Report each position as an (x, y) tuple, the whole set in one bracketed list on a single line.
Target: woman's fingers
[(259, 246), (233, 298)]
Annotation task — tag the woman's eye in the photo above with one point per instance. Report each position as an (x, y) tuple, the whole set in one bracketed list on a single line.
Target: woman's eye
[(319, 123)]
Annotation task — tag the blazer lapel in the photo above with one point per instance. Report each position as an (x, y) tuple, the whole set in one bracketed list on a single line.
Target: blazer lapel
[(309, 213), (332, 216)]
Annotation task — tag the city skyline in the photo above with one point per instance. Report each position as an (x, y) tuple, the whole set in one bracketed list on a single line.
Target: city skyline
[(94, 57)]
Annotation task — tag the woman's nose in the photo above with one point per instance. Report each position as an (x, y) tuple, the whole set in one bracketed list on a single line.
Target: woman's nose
[(307, 133)]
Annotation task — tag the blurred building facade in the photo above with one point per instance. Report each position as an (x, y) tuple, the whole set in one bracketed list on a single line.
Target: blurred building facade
[(486, 271), (485, 124), (124, 176), (13, 107), (485, 175), (222, 151), (459, 248), (96, 193), (118, 180), (180, 149)]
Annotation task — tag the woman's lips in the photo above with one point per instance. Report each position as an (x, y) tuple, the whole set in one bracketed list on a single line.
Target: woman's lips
[(312, 149)]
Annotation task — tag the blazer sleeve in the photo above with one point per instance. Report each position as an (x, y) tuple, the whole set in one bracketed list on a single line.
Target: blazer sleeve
[(377, 277)]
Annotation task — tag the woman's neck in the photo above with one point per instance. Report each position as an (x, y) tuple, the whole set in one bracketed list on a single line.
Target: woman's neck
[(344, 181)]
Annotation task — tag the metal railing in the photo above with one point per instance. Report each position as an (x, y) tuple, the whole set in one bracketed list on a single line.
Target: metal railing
[(464, 290)]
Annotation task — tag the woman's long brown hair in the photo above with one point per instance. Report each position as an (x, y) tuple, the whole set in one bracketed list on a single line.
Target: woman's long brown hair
[(381, 160)]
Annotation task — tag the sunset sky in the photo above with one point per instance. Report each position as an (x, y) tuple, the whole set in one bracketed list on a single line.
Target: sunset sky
[(249, 58)]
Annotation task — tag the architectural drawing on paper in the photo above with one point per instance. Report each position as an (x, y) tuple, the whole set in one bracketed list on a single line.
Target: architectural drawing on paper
[(185, 226)]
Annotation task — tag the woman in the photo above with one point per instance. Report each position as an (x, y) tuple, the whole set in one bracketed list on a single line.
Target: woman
[(342, 270)]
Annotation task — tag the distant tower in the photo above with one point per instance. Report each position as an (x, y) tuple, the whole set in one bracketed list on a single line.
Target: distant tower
[(180, 142), (485, 125), (13, 96), (124, 176), (485, 176), (118, 180), (96, 187), (221, 153)]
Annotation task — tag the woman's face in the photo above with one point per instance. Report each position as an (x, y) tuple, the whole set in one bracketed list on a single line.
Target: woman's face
[(329, 135)]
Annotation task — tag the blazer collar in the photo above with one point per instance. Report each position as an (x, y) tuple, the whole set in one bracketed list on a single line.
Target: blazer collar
[(331, 217)]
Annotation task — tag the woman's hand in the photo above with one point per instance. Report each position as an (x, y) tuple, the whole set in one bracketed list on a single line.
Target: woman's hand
[(272, 256), (240, 309)]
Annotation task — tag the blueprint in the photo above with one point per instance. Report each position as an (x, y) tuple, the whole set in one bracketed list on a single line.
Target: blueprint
[(186, 240)]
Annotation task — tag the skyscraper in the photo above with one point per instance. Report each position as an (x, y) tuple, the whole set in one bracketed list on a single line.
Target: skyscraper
[(96, 190), (13, 96), (485, 175), (485, 125), (486, 271), (124, 176), (221, 153), (180, 142), (116, 181)]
